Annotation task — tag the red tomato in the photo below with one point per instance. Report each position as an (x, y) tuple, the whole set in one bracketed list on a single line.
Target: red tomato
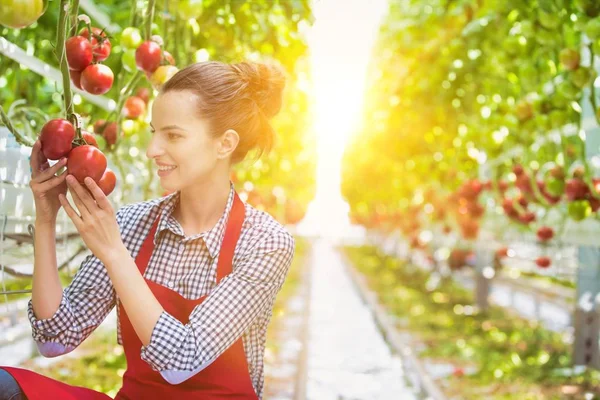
[(85, 32), (134, 107), (144, 94), (543, 262), (84, 161), (97, 79), (76, 78), (148, 56), (108, 130), (89, 138), (101, 45), (56, 137), (79, 53), (108, 181)]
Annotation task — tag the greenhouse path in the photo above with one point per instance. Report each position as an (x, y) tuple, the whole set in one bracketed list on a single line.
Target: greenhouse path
[(347, 356)]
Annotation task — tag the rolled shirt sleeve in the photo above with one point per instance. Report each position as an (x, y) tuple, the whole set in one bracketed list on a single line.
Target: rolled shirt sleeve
[(85, 303), (179, 351)]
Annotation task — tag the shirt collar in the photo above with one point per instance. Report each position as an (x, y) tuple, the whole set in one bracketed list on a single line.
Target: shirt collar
[(212, 238)]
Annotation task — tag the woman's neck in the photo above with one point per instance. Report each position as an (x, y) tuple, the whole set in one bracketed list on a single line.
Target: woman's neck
[(201, 207)]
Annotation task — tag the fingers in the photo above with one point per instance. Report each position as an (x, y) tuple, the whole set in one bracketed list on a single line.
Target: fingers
[(70, 211), (98, 194), (49, 184), (49, 172), (37, 159), (83, 200)]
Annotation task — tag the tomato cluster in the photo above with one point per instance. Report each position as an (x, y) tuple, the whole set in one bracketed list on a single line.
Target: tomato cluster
[(156, 63), (85, 52), (83, 160)]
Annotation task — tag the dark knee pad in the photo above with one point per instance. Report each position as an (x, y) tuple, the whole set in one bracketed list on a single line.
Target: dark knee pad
[(9, 388)]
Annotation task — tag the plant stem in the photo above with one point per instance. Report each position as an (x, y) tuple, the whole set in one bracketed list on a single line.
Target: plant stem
[(149, 18), (24, 140), (62, 60), (74, 22)]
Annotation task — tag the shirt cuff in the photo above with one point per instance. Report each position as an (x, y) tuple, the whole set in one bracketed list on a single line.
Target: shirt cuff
[(46, 329), (166, 339)]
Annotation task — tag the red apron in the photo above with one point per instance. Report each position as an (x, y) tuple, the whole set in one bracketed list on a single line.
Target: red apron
[(227, 377)]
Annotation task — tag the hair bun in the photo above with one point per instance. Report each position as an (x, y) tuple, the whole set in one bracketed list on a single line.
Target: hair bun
[(266, 83)]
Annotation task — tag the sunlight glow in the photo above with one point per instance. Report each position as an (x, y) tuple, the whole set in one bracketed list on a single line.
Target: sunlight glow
[(340, 43)]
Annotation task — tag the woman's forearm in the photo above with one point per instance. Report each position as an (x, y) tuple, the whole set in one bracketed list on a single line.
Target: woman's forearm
[(47, 289), (140, 304)]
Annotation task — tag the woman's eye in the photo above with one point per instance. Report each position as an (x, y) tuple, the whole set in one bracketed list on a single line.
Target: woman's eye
[(173, 136)]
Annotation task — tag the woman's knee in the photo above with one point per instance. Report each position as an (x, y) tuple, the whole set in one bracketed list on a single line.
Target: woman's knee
[(9, 388)]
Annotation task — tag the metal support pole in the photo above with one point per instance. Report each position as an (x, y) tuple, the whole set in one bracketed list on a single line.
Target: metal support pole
[(587, 311), (484, 258)]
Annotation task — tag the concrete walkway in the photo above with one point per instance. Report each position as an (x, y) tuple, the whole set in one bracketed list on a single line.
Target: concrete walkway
[(347, 356)]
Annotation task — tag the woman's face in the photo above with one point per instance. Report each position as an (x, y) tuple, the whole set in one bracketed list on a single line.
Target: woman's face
[(180, 141)]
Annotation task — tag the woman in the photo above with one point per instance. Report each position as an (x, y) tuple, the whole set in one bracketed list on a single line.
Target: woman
[(193, 274)]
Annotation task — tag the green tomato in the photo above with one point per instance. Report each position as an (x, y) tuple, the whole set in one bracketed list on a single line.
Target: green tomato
[(582, 76), (555, 187), (187, 9), (558, 118), (131, 38), (579, 210), (592, 29), (130, 127), (568, 90), (20, 13), (128, 59)]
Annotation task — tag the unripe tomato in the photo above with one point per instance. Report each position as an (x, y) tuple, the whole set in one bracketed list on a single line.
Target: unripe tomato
[(131, 38), (188, 9), (108, 181), (128, 59), (97, 79), (79, 53), (56, 137), (162, 75), (18, 14), (148, 56), (84, 161), (130, 127), (579, 210)]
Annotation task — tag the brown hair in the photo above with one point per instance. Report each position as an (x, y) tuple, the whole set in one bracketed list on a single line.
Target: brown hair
[(242, 96)]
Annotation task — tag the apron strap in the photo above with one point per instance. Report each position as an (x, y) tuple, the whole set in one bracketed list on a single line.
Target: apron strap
[(232, 233)]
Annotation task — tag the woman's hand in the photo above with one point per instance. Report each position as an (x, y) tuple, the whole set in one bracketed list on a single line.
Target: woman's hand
[(45, 185), (96, 221)]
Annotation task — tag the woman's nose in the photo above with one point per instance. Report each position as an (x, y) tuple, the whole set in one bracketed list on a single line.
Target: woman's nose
[(154, 149)]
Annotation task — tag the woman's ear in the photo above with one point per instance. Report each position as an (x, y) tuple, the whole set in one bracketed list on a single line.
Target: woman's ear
[(228, 143)]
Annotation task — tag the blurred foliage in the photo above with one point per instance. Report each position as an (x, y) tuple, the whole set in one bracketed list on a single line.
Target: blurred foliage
[(494, 354), (455, 85)]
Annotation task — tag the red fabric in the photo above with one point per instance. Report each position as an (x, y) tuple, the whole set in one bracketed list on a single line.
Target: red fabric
[(226, 378)]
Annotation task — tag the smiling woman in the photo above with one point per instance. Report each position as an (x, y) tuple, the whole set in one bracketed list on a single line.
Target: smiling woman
[(194, 274)]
